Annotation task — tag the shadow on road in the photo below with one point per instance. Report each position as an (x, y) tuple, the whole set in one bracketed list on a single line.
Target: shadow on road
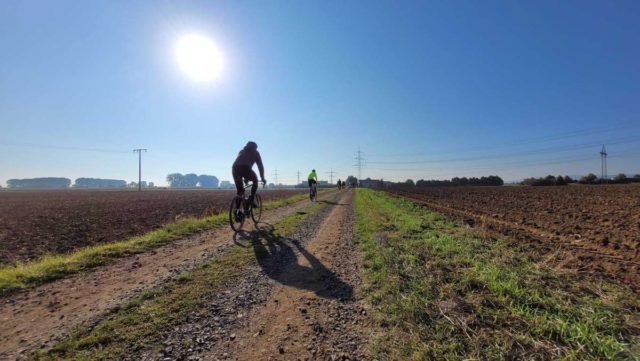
[(333, 203), (279, 260)]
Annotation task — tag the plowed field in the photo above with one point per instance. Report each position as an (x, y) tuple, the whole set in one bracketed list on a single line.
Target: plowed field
[(593, 229), (33, 223)]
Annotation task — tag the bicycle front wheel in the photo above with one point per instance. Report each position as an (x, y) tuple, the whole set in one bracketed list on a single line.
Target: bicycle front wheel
[(236, 214), (256, 212)]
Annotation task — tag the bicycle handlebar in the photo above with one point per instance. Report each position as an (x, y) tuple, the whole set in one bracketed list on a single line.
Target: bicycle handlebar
[(249, 184)]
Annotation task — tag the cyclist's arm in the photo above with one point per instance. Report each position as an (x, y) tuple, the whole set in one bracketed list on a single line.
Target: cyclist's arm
[(260, 166)]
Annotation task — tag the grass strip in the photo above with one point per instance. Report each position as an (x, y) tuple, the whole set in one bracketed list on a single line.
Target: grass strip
[(445, 293), (52, 267), (143, 322)]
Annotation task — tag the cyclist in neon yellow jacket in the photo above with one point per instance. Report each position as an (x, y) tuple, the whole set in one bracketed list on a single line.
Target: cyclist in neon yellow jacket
[(312, 178)]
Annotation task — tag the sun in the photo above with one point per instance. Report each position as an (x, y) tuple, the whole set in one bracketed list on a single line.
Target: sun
[(199, 58)]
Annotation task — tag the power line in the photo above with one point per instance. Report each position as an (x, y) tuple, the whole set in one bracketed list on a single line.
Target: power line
[(298, 176), (62, 147), (275, 176), (523, 141), (501, 166), (139, 151), (515, 154)]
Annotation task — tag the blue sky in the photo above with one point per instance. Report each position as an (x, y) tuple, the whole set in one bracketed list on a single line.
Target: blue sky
[(425, 89)]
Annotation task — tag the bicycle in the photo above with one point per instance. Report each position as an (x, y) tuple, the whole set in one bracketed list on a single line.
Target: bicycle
[(313, 192), (238, 215)]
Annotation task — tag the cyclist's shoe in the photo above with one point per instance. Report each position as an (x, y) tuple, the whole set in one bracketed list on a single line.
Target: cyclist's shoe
[(238, 215)]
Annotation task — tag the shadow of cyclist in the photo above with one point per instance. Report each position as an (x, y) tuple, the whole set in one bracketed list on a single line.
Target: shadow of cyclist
[(279, 260)]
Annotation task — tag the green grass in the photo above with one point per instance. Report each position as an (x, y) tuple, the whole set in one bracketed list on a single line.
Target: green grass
[(52, 267), (444, 293), (143, 322)]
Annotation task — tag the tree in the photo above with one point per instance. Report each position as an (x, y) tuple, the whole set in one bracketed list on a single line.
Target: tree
[(208, 181), (409, 182), (620, 178), (589, 179), (560, 181), (175, 180), (190, 180), (352, 181), (568, 179)]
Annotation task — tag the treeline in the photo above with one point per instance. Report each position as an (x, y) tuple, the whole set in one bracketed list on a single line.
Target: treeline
[(39, 183), (623, 179), (62, 183), (192, 180), (587, 179), (99, 183), (548, 181), (492, 180)]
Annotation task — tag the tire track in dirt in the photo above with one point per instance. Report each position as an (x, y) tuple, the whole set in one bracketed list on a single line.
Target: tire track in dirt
[(38, 317), (566, 249), (300, 302)]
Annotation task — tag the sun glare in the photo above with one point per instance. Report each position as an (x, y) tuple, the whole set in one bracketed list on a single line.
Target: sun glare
[(199, 58)]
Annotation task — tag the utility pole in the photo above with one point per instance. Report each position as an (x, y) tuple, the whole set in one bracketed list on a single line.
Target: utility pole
[(331, 173), (298, 177), (359, 161), (603, 165), (275, 176), (139, 151)]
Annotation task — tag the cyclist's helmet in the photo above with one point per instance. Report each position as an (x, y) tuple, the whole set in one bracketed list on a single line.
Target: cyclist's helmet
[(251, 145), (313, 170)]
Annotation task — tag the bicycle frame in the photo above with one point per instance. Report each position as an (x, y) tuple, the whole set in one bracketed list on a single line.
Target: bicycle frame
[(314, 190), (241, 205)]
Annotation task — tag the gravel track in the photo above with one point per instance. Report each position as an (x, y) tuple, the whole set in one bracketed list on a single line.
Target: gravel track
[(300, 302)]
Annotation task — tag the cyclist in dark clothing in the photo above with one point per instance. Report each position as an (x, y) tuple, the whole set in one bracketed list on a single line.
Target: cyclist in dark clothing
[(247, 157)]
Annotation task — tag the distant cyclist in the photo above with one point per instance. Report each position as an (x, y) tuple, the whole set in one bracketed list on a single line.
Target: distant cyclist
[(312, 179), (247, 157)]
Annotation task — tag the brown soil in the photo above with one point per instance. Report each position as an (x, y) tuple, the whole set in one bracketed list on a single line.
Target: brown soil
[(36, 318), (33, 223), (587, 229)]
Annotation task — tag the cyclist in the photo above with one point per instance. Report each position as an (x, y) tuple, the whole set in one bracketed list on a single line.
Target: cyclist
[(312, 179), (245, 160)]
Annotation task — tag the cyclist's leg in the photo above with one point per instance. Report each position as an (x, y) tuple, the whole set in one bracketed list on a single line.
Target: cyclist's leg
[(237, 179), (253, 177)]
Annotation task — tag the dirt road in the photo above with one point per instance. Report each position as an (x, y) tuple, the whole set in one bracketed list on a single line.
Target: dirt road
[(301, 300)]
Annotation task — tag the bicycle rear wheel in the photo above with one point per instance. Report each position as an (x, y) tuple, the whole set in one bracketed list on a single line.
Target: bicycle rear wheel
[(256, 212), (236, 214)]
